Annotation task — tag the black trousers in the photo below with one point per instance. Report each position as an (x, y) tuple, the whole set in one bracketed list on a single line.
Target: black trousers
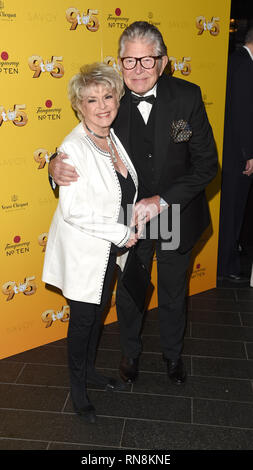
[(234, 194), (82, 339), (172, 268)]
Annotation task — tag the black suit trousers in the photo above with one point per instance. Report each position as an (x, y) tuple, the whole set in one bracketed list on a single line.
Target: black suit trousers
[(172, 268), (234, 194), (83, 336)]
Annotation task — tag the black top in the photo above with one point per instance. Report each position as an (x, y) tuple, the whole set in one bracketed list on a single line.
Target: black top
[(127, 197)]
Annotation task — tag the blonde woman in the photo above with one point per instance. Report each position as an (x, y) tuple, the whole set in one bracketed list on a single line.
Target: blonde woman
[(86, 232)]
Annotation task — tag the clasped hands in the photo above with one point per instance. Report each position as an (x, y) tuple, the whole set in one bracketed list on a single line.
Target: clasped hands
[(248, 167), (143, 211)]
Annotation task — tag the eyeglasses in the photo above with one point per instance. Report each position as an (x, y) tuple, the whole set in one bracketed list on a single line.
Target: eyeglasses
[(147, 62)]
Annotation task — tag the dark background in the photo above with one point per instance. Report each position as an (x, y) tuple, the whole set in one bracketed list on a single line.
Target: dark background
[(241, 20)]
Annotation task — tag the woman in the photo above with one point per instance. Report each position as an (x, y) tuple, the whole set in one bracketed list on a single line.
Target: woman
[(86, 232)]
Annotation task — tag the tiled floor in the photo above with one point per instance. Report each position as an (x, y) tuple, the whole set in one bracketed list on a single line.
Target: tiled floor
[(214, 410)]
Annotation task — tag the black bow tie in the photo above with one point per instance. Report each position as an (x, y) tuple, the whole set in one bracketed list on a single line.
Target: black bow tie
[(137, 99)]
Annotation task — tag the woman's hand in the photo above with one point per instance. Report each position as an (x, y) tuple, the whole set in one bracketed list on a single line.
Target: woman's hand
[(133, 239), (62, 173)]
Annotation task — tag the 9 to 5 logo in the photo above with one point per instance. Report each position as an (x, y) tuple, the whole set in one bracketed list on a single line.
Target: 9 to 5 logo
[(17, 115), (109, 60), (42, 239), (183, 66), (211, 26), (76, 18), (54, 67), (49, 316), (42, 157), (28, 287)]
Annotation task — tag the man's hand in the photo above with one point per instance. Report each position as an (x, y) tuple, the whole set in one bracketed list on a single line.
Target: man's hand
[(248, 167), (62, 173), (144, 211)]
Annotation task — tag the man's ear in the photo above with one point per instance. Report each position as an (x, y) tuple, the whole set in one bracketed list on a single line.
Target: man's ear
[(164, 61)]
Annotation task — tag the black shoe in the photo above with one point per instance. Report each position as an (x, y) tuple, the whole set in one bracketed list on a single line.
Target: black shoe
[(176, 371), (128, 369), (87, 414), (114, 385), (109, 383), (237, 278)]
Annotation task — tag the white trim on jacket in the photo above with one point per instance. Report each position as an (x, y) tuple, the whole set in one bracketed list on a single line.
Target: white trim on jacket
[(85, 222)]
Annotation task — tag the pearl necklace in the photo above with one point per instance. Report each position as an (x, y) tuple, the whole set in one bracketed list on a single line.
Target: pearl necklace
[(108, 140)]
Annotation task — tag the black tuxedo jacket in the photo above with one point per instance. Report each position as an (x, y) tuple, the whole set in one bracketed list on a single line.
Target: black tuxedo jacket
[(238, 129), (184, 169)]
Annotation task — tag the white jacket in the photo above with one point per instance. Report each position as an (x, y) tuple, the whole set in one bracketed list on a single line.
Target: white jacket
[(85, 221)]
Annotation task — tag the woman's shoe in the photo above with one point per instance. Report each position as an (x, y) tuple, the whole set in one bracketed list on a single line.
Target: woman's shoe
[(114, 384), (87, 414), (109, 383)]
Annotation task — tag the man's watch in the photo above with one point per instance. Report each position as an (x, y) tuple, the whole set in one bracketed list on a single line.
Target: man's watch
[(163, 203)]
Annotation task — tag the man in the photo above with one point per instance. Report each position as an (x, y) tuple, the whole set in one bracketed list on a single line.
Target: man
[(171, 145), (237, 168)]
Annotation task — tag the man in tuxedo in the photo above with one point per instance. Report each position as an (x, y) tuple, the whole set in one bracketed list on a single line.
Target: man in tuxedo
[(237, 168), (171, 144)]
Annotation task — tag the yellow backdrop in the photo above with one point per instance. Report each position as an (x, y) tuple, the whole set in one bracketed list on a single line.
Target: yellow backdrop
[(43, 44)]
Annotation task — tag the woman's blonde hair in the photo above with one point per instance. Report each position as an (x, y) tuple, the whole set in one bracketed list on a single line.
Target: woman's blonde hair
[(90, 75)]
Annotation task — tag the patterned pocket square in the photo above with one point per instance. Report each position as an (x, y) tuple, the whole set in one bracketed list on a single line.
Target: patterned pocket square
[(180, 131)]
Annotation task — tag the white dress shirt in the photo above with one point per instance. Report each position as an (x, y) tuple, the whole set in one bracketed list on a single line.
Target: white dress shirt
[(249, 51), (145, 107)]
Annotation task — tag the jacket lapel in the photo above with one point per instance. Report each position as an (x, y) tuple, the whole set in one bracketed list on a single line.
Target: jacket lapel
[(164, 115), (121, 125)]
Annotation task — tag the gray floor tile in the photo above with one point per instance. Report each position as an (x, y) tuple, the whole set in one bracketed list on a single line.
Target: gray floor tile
[(20, 444), (160, 435), (223, 413), (214, 317), (56, 376), (63, 427), (43, 355), (44, 374), (196, 386), (153, 362), (9, 371), (139, 406), (217, 348), (108, 359), (244, 294), (218, 293), (69, 447), (213, 410), (228, 332), (219, 367), (32, 398), (223, 305)]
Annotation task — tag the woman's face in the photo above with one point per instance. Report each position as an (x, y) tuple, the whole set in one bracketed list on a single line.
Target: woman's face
[(99, 108)]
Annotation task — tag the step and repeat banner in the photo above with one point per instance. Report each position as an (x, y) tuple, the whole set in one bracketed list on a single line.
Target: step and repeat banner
[(43, 44)]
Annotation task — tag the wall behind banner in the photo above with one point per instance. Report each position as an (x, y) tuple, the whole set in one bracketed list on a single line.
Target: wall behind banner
[(43, 43)]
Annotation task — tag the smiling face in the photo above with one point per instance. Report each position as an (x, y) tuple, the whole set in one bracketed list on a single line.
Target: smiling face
[(99, 108), (139, 79)]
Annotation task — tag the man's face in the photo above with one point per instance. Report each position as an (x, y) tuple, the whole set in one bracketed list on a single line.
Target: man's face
[(139, 79)]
